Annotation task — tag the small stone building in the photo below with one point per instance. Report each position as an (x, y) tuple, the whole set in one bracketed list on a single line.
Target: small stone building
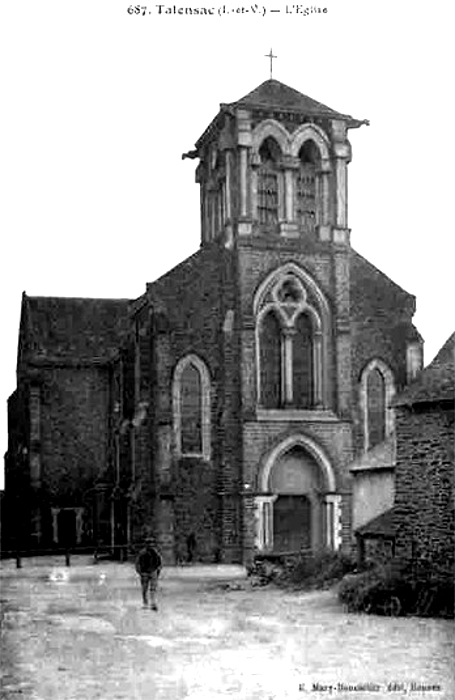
[(224, 408), (424, 511)]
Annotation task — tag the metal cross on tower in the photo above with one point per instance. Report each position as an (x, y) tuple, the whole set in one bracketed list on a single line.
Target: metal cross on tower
[(271, 56)]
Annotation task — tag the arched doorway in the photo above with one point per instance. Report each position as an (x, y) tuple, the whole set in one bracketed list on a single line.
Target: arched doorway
[(297, 481), (297, 508)]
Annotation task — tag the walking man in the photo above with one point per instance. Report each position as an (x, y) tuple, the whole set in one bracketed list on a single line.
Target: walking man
[(148, 566)]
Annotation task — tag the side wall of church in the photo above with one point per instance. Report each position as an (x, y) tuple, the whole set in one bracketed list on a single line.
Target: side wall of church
[(73, 436), (14, 513), (381, 323)]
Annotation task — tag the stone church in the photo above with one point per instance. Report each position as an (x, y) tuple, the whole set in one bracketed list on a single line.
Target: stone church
[(224, 409)]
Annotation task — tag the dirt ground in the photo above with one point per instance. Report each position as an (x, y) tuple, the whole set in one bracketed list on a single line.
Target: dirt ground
[(82, 633)]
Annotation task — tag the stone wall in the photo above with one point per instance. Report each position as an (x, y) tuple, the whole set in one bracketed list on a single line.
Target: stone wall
[(73, 438), (372, 494), (381, 324), (424, 501), (194, 312)]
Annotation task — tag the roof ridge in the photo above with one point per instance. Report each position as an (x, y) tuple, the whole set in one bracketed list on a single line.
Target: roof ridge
[(72, 298), (381, 272), (278, 94)]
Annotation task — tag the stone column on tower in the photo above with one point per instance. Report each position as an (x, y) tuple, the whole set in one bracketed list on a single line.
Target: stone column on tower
[(244, 146), (342, 151)]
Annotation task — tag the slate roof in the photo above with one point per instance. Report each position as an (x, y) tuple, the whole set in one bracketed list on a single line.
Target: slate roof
[(382, 525), (371, 288), (77, 328), (436, 382), (272, 93)]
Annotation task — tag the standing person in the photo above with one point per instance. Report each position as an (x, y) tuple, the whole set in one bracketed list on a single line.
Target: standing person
[(148, 566)]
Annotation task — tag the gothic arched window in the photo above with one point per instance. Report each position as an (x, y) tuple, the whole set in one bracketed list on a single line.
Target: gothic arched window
[(190, 410), (376, 407), (268, 182), (270, 348), (191, 407), (377, 391), (307, 194), (302, 356), (289, 344)]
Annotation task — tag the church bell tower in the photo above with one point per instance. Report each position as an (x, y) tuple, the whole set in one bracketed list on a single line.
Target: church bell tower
[(273, 184), (274, 163)]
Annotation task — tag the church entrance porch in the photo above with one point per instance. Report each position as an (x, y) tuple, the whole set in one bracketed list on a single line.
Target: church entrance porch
[(297, 508)]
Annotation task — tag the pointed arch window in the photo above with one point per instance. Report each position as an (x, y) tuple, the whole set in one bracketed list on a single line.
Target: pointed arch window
[(307, 186), (191, 407), (268, 182), (376, 407), (303, 362), (190, 410), (377, 392), (270, 348), (289, 347)]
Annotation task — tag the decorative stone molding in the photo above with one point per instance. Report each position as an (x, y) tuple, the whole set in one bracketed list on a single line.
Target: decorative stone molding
[(270, 127), (312, 132), (267, 298), (331, 502), (332, 516), (295, 415), (263, 514), (311, 446)]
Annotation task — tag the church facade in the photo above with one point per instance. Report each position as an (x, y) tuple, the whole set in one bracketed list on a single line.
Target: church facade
[(224, 408)]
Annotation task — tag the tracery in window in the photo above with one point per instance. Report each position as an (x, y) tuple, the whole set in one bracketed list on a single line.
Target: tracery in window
[(289, 346), (307, 186), (268, 182)]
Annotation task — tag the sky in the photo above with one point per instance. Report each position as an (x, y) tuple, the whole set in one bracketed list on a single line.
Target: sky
[(98, 105)]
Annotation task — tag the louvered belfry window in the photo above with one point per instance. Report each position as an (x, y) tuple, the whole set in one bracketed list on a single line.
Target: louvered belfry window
[(306, 187), (268, 187)]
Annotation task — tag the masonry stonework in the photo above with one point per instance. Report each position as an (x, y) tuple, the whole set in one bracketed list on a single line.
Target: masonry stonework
[(424, 501)]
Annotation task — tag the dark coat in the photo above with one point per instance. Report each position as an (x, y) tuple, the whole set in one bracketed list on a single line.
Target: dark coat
[(148, 561)]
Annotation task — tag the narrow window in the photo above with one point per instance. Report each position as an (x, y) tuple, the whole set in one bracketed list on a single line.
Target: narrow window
[(376, 407), (270, 361), (302, 357), (190, 411), (268, 194), (306, 189)]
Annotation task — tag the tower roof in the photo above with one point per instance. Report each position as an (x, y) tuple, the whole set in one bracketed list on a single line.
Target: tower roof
[(272, 93)]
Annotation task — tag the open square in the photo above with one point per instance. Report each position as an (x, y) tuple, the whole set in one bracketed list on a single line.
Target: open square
[(81, 633)]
